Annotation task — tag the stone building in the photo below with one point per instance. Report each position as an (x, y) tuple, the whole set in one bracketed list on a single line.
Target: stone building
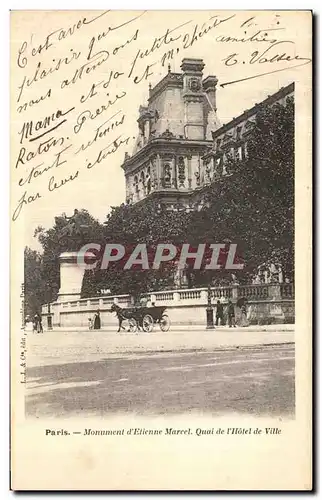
[(181, 146), (230, 140), (175, 131), (181, 149)]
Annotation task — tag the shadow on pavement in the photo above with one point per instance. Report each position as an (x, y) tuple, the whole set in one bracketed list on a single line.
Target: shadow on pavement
[(252, 382)]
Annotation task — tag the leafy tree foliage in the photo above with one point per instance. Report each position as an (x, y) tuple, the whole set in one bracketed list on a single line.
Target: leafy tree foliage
[(130, 225), (252, 206), (35, 287), (67, 234)]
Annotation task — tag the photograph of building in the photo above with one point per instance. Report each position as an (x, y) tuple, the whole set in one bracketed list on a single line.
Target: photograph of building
[(182, 153), (181, 145)]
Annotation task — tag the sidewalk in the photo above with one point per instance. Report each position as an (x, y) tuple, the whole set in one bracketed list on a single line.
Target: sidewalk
[(69, 346), (192, 328)]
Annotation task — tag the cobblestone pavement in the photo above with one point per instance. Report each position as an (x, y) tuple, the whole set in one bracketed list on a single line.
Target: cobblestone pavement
[(98, 373), (69, 346)]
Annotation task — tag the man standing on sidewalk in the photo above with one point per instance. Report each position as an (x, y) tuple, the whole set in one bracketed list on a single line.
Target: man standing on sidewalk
[(231, 314), (219, 313)]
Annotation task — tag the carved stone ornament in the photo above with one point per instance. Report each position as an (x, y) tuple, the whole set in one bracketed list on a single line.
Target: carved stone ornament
[(181, 171), (194, 85), (167, 134)]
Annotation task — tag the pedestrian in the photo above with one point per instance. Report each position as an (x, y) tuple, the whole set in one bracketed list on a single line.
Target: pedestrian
[(219, 313), (35, 323), (242, 305), (97, 320), (40, 330), (231, 314), (243, 320), (29, 324), (90, 324)]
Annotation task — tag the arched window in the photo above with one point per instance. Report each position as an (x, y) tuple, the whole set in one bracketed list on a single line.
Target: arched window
[(136, 184), (167, 175), (148, 180)]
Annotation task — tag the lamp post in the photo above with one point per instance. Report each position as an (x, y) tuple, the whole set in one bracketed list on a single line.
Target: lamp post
[(49, 317), (209, 310)]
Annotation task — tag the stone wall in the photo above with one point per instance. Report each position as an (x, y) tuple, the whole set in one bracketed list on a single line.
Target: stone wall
[(267, 304)]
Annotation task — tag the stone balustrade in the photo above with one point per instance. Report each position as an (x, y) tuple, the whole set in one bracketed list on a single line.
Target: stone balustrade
[(254, 291), (267, 303), (287, 290)]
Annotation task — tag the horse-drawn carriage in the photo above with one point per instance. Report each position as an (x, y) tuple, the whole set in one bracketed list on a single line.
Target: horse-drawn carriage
[(142, 317)]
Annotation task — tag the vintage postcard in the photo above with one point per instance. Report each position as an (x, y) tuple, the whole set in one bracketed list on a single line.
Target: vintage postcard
[(161, 250)]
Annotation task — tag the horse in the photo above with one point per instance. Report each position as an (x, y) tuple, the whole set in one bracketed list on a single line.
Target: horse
[(122, 314)]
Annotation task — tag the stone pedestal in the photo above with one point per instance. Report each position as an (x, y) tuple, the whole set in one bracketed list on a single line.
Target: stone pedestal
[(71, 275)]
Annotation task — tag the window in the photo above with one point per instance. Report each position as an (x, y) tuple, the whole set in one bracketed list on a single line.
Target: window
[(239, 153)]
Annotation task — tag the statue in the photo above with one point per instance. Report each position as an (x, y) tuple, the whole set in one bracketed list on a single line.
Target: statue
[(181, 171), (207, 173), (275, 272), (270, 272), (148, 181), (234, 279), (167, 175), (73, 226)]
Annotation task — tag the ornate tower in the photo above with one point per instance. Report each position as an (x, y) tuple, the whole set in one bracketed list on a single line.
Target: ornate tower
[(173, 136), (193, 98)]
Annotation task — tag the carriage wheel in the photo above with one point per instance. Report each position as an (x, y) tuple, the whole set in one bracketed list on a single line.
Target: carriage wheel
[(133, 325), (147, 323), (165, 323)]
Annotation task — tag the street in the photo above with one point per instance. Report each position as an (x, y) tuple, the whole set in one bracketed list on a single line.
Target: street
[(253, 379)]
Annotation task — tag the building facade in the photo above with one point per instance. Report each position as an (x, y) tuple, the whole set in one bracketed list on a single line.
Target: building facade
[(175, 131), (181, 147), (230, 140)]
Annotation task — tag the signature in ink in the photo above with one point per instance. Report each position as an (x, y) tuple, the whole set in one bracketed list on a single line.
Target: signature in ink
[(268, 56)]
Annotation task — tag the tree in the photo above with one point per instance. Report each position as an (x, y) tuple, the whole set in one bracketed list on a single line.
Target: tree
[(130, 225), (34, 283), (254, 206), (68, 234)]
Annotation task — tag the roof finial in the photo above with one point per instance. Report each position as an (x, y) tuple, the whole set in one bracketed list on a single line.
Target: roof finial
[(150, 86), (169, 68)]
